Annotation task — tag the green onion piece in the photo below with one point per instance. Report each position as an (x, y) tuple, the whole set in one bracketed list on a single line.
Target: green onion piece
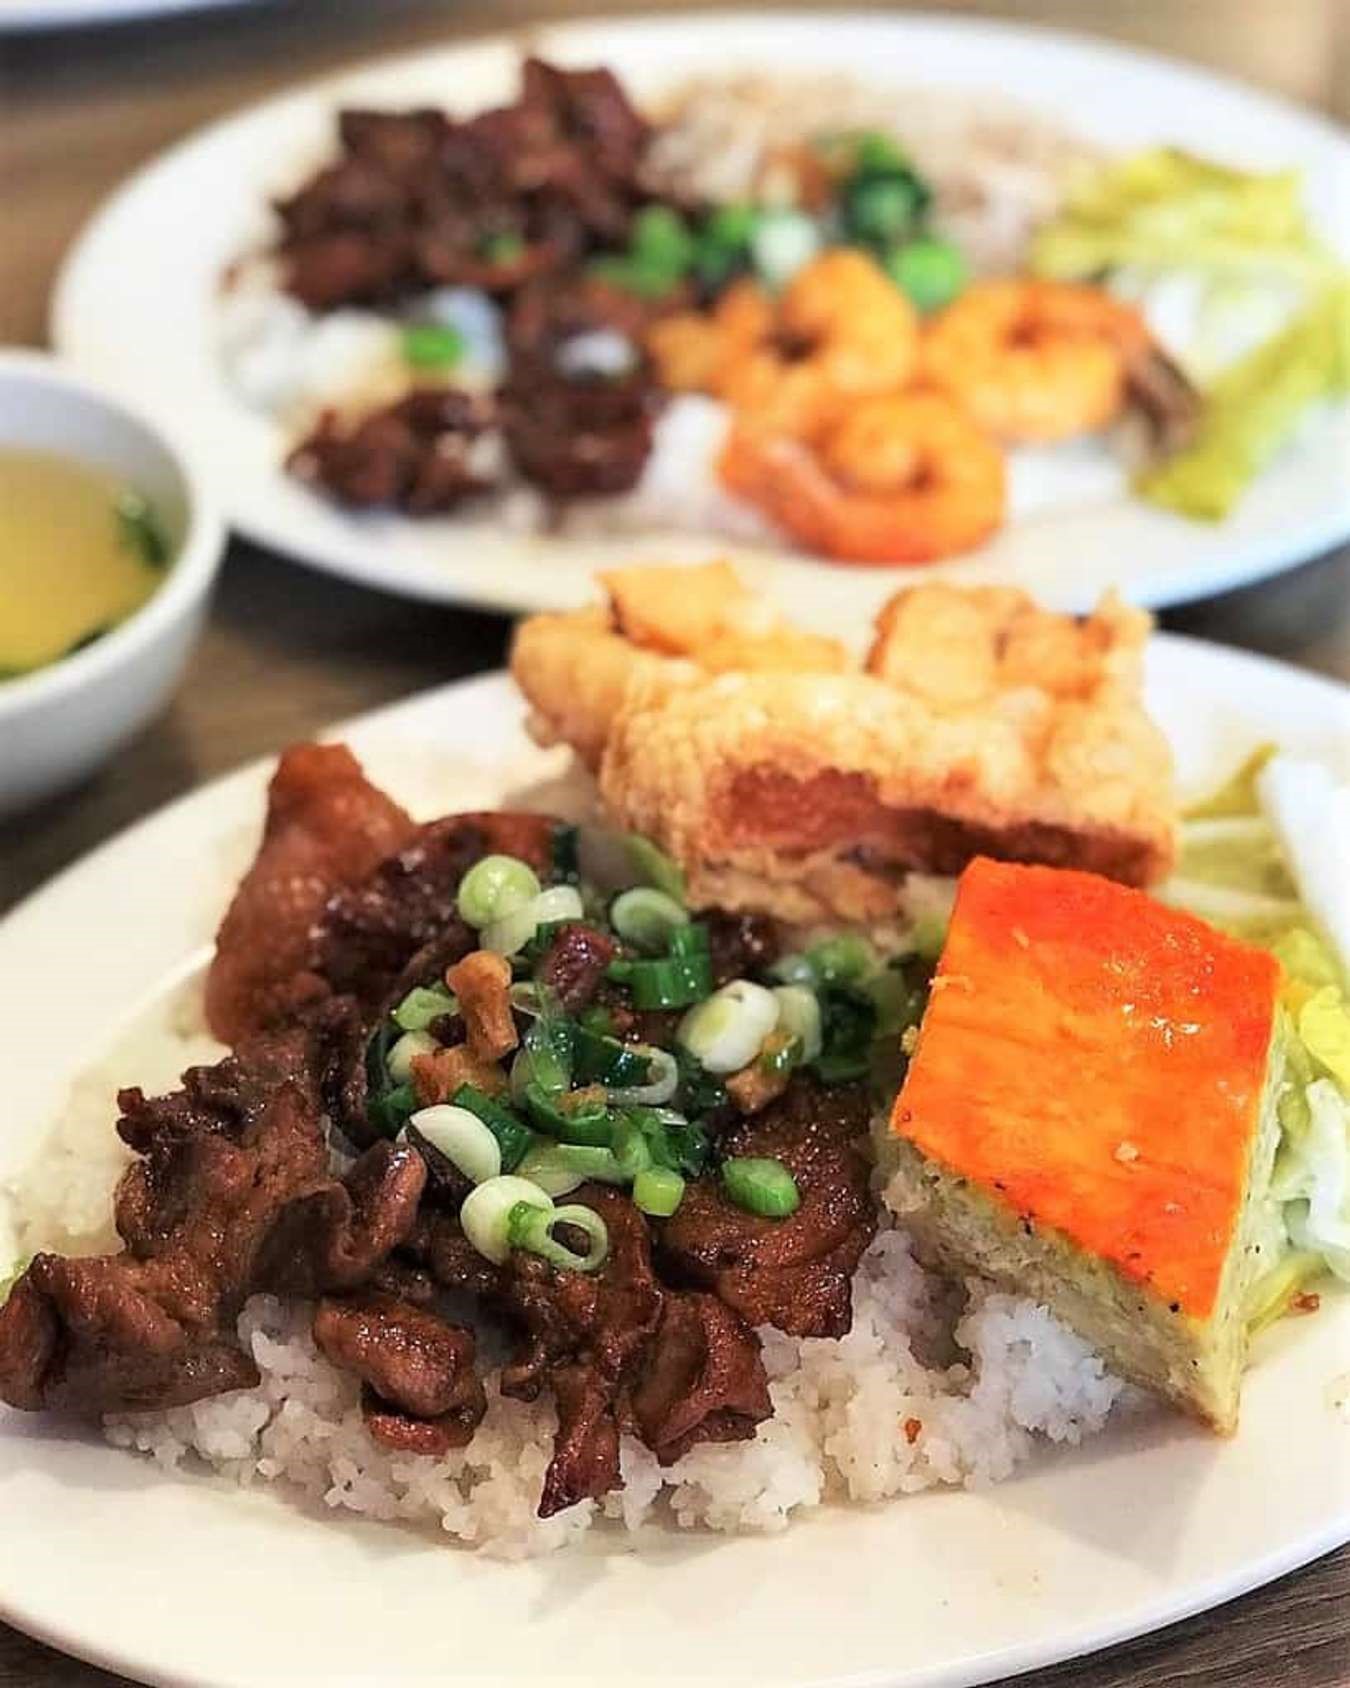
[(511, 1132), (794, 969), (875, 153), (531, 1227), (898, 1001), (931, 272), (644, 280), (546, 1056), (604, 1060), (672, 982), (781, 1053), (699, 1091), (663, 1080), (658, 1191), (486, 1213), (465, 1140), (724, 1031), (495, 887), (502, 248), (631, 1149), (597, 1020), (882, 209), (653, 866), (422, 1005), (762, 1186), (399, 1062), (560, 1167), (842, 959), (563, 851), (575, 1117), (690, 939), (799, 1015), (432, 345), (139, 529), (390, 1111), (511, 932), (646, 918), (662, 239), (783, 242)]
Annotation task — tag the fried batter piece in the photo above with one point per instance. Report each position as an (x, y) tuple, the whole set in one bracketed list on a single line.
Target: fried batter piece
[(665, 627), (980, 724)]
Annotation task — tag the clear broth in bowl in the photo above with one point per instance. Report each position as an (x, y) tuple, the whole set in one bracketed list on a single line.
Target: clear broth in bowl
[(80, 551)]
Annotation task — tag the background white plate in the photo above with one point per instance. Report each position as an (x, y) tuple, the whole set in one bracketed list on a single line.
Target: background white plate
[(136, 299), (180, 1581), (34, 15)]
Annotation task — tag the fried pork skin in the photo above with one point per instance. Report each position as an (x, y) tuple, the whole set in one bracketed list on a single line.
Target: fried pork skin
[(663, 628), (782, 780)]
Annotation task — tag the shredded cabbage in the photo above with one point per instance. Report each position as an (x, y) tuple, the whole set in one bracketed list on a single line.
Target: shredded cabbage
[(1166, 209), (1227, 877)]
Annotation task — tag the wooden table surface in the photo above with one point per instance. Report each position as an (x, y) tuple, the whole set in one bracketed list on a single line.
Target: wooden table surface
[(287, 651)]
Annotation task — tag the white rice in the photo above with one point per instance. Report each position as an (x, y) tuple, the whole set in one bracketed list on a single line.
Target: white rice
[(998, 168), (930, 1387)]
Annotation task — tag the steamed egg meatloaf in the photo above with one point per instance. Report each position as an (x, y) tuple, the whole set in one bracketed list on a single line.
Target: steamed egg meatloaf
[(783, 780), (1089, 1118)]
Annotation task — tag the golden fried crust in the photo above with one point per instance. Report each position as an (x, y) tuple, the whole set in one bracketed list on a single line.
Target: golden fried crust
[(575, 671), (811, 800), (664, 626)]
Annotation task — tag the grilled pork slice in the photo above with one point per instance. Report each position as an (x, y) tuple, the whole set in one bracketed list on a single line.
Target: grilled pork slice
[(1089, 1119)]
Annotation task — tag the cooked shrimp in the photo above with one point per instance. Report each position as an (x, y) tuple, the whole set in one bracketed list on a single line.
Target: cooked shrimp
[(899, 478), (841, 330), (693, 350), (1035, 360)]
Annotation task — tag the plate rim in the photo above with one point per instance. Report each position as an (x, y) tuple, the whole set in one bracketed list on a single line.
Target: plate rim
[(1301, 538)]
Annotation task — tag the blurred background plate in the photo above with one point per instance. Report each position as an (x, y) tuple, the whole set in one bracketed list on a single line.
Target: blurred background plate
[(136, 306), (89, 14)]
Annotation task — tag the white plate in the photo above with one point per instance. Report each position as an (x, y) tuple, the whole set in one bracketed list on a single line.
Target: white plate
[(179, 1581), (35, 15), (136, 300)]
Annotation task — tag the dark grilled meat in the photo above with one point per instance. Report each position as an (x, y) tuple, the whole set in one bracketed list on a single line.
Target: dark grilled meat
[(417, 1368), (337, 1235), (793, 1273), (582, 436), (619, 1350), (416, 200), (326, 827), (414, 455), (573, 966), (702, 1381), (740, 946)]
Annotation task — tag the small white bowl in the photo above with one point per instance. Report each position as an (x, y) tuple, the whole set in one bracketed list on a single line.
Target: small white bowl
[(63, 720)]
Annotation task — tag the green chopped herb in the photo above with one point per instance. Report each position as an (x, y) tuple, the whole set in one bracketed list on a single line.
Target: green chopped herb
[(762, 1186), (932, 272), (139, 529), (675, 981), (512, 1134), (432, 345), (658, 1191), (503, 248), (423, 1005)]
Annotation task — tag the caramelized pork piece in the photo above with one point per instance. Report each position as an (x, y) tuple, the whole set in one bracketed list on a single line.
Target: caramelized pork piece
[(573, 966), (222, 1164), (417, 200), (398, 926), (338, 1234), (416, 454), (619, 1350), (421, 1386), (326, 827), (703, 1379), (794, 1273), (585, 1334)]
